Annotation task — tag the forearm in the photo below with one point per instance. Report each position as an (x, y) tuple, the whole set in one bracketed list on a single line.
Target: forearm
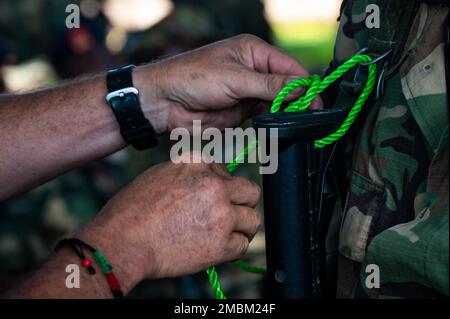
[(48, 132), (50, 280)]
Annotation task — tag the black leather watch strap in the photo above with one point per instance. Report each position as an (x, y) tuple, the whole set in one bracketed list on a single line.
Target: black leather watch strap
[(123, 98), (120, 78)]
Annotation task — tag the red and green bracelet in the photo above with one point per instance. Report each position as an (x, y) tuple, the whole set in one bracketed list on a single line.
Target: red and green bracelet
[(78, 245), (110, 277)]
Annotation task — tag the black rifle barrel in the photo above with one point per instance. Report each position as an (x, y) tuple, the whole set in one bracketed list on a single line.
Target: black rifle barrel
[(291, 202)]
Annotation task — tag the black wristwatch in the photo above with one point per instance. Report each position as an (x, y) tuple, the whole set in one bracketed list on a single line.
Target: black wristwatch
[(123, 98)]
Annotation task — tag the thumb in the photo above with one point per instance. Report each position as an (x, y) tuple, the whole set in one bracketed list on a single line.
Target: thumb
[(265, 86), (262, 86)]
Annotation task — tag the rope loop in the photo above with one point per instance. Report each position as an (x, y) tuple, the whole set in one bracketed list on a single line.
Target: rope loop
[(314, 86)]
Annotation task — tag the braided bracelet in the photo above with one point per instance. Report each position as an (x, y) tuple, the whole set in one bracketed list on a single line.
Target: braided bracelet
[(77, 246)]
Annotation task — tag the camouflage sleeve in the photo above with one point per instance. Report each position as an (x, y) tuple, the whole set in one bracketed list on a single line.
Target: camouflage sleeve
[(396, 211), (404, 155), (415, 254)]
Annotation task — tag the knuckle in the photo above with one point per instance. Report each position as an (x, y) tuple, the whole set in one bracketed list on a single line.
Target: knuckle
[(222, 219), (242, 247), (218, 216), (272, 83), (252, 186), (247, 39), (214, 185)]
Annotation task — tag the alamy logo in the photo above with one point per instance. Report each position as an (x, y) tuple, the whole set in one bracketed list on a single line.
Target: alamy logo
[(225, 147), (73, 17), (73, 279), (373, 16), (373, 276)]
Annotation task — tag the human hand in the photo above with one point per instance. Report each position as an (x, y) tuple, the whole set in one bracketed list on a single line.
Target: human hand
[(176, 219), (221, 84)]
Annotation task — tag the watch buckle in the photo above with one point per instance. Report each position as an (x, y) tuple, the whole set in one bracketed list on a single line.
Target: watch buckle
[(121, 93)]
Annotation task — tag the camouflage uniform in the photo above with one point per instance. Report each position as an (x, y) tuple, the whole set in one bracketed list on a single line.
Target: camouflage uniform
[(396, 210)]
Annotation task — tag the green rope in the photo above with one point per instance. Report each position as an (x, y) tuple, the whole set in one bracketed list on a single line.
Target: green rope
[(315, 86), (215, 283), (249, 268), (233, 165)]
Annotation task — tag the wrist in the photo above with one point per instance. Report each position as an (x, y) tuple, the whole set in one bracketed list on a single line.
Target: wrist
[(94, 286), (127, 268), (150, 82)]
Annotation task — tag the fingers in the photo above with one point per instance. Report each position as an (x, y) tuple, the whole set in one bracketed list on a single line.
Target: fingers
[(264, 58), (220, 170), (237, 246), (268, 59), (263, 86), (231, 116), (247, 221), (269, 69), (243, 191), (316, 104), (267, 86)]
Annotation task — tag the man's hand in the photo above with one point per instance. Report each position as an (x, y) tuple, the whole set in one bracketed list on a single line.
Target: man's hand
[(48, 132), (176, 219), (173, 220), (218, 84)]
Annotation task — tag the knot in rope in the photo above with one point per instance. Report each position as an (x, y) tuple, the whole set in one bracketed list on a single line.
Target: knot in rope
[(314, 85)]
